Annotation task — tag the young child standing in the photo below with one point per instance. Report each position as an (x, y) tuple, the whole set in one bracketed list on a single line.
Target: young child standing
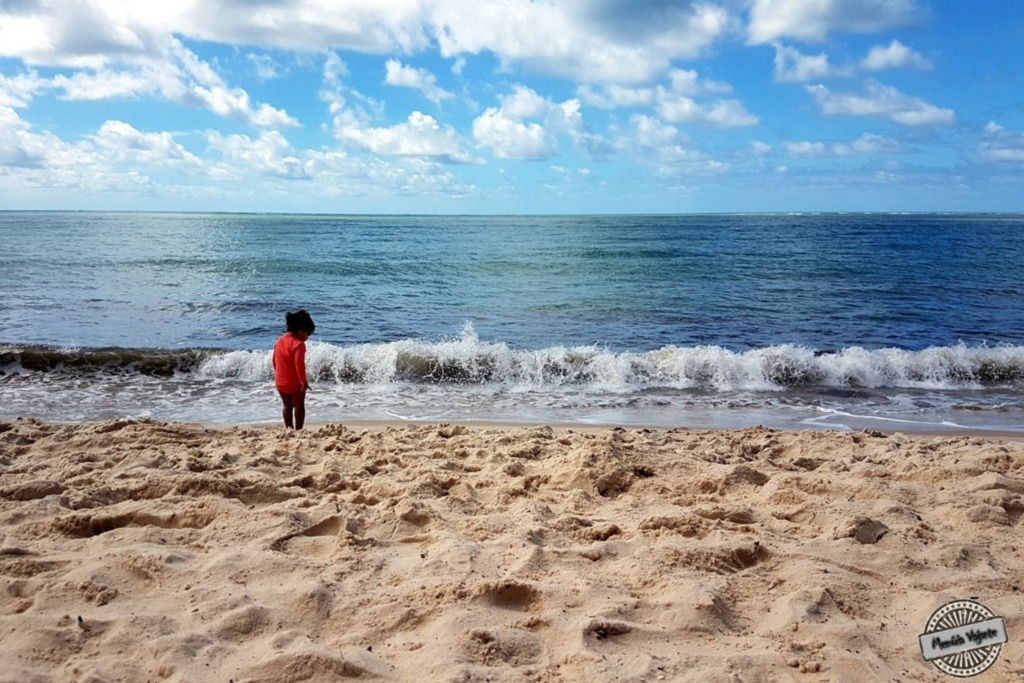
[(290, 367)]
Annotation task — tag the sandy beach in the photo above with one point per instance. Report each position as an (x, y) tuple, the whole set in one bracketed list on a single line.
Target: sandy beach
[(150, 551)]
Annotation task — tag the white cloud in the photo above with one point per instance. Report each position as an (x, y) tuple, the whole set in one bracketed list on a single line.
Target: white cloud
[(616, 96), (269, 154), (347, 105), (895, 55), (200, 85), (666, 149), (688, 82), (312, 25), (792, 66), (233, 103), (807, 149), (867, 144), (813, 20), (675, 102), (403, 76), (419, 136), (266, 68), (678, 160), (613, 41), (19, 147), (42, 160), (23, 36), (881, 100), (510, 138), (342, 177), (125, 143), (17, 91), (116, 56), (650, 133), (719, 114), (1001, 146), (684, 82), (106, 85), (525, 103), (870, 143), (335, 69), (74, 33), (509, 133)]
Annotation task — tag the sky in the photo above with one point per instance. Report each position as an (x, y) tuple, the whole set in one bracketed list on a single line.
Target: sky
[(512, 106)]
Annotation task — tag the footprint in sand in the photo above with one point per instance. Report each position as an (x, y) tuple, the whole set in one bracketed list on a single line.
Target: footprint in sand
[(31, 490), (329, 527), (20, 596), (18, 563), (725, 559), (503, 646), (602, 629), (89, 525), (243, 624), (307, 665), (510, 595)]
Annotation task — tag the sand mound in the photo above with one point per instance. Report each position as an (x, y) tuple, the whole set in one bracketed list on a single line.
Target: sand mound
[(145, 551)]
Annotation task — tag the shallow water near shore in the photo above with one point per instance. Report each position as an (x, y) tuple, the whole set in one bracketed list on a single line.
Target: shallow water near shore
[(911, 322)]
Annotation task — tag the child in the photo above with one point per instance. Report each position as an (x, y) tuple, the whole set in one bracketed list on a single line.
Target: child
[(290, 367)]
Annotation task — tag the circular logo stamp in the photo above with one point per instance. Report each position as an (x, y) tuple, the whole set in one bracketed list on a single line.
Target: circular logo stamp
[(963, 638)]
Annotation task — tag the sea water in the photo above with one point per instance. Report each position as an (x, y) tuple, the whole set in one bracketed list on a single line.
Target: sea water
[(910, 322)]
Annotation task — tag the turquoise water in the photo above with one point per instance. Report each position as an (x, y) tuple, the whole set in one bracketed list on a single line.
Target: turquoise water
[(911, 321)]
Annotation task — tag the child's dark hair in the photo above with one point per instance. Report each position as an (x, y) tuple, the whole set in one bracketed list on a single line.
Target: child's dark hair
[(299, 321)]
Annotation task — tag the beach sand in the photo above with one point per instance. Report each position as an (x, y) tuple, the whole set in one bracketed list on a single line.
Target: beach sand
[(149, 551)]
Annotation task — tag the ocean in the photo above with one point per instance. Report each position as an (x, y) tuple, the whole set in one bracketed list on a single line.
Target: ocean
[(822, 321)]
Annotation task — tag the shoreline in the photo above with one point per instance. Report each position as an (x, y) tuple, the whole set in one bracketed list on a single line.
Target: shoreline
[(377, 425), (587, 428)]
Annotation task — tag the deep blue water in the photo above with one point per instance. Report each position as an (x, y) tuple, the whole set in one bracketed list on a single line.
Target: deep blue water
[(818, 320)]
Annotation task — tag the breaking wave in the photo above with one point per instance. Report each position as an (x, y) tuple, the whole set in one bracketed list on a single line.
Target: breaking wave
[(468, 360)]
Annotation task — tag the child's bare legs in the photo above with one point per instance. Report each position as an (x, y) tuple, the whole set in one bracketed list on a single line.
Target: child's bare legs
[(294, 411)]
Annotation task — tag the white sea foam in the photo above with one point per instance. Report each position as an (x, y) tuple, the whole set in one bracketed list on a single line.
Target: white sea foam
[(468, 360)]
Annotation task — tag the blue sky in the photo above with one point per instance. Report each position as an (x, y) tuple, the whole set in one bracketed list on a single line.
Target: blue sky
[(512, 106)]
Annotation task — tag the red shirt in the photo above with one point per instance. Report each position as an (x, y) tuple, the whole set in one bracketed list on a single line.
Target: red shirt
[(289, 364)]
